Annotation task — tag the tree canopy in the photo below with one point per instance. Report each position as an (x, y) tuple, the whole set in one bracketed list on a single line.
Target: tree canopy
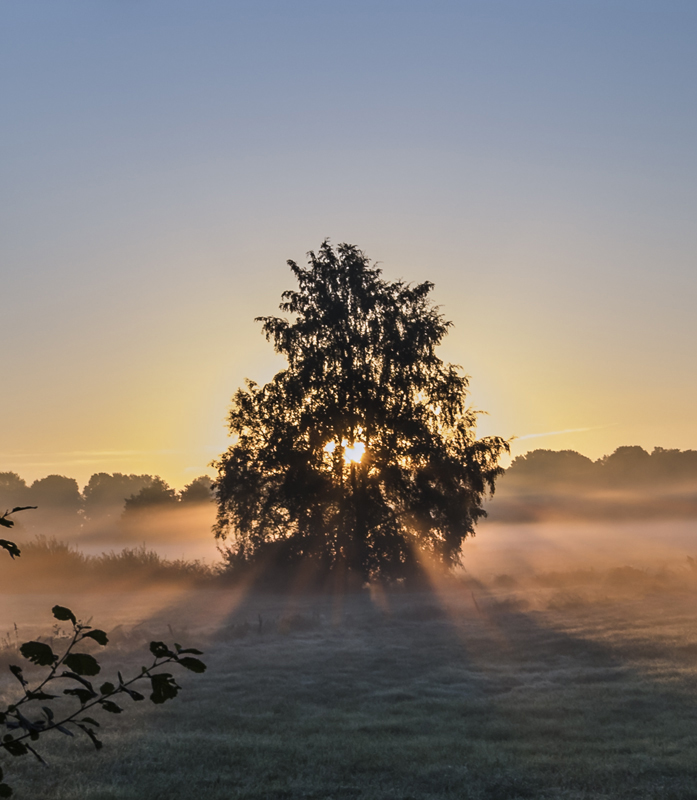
[(361, 454)]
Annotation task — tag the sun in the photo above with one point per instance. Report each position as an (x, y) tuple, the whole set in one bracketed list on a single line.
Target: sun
[(353, 453)]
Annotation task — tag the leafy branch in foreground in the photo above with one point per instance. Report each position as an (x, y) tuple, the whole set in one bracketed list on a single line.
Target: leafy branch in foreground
[(6, 522), (32, 715)]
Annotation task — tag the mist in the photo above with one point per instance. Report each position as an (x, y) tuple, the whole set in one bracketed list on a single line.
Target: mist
[(552, 511)]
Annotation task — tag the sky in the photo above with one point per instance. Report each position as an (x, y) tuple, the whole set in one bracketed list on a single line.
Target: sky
[(160, 160)]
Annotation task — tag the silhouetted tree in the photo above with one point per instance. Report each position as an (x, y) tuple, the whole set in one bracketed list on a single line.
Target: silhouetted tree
[(543, 469), (200, 490), (59, 501), (361, 454), (629, 483), (158, 494), (13, 490), (105, 495)]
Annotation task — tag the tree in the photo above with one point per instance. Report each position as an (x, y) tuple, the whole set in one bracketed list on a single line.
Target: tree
[(157, 494), (198, 491), (56, 493), (361, 454), (105, 495), (13, 490)]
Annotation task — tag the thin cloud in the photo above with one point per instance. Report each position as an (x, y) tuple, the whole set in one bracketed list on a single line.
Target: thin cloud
[(566, 430), (71, 454)]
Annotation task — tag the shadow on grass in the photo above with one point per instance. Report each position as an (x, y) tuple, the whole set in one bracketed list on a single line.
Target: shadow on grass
[(411, 695)]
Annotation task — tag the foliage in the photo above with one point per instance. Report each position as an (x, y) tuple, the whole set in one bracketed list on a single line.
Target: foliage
[(56, 492), (200, 490), (6, 522), (361, 454), (628, 484), (39, 711), (105, 494), (102, 500), (158, 493), (13, 489), (627, 467)]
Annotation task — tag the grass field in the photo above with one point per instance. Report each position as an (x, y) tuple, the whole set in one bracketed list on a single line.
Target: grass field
[(581, 685)]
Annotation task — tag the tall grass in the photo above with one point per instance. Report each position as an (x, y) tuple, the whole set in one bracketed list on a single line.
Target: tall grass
[(46, 563)]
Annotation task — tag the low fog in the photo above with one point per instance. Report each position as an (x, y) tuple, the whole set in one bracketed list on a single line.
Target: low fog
[(561, 530)]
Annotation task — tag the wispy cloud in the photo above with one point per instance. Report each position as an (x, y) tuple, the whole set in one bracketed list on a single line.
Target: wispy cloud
[(566, 430), (79, 454)]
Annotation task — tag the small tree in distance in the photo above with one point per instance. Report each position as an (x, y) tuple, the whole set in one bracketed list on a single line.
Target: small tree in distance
[(361, 455)]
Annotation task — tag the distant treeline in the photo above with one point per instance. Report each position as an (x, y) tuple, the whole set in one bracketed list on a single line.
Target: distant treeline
[(631, 483), (628, 484), (105, 497)]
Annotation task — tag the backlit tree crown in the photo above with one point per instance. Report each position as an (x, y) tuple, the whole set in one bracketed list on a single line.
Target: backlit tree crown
[(361, 453)]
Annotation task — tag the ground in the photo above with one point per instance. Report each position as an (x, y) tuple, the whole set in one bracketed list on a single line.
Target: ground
[(557, 686)]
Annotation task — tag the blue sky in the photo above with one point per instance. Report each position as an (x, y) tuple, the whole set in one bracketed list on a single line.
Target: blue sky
[(161, 160)]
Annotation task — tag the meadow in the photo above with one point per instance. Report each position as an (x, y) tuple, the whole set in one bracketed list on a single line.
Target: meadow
[(573, 682)]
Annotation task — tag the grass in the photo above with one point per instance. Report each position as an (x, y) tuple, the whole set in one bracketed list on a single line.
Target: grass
[(47, 563), (409, 696)]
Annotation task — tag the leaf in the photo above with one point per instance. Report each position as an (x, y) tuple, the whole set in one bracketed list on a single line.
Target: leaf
[(17, 672), (107, 688), (111, 707), (192, 650), (95, 741), (21, 508), (13, 747), (11, 547), (40, 696), (5, 790), (133, 694), (90, 721), (82, 664), (49, 714), (38, 653), (83, 695), (64, 730), (79, 679), (160, 650), (64, 614), (163, 687), (27, 724), (99, 636), (193, 664)]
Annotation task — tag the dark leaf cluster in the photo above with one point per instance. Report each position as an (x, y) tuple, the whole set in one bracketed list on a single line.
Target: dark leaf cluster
[(6, 522), (69, 676)]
